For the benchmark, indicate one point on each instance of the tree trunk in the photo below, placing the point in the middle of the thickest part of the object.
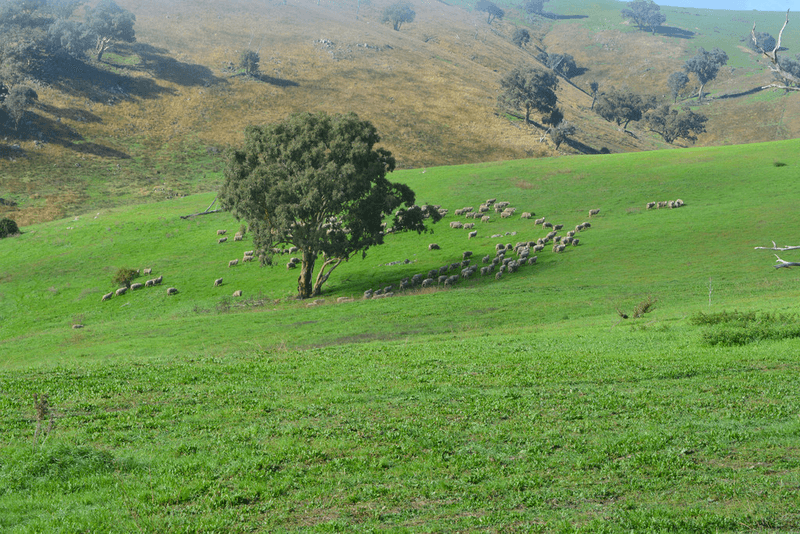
(527, 115)
(305, 286)
(700, 92)
(594, 99)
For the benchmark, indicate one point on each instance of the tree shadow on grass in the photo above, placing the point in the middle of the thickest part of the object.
(556, 16)
(165, 67)
(669, 31)
(278, 82)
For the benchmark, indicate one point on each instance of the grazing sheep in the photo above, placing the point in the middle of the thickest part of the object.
(368, 294)
(571, 233)
(679, 203)
(469, 226)
(579, 228)
(451, 280)
(237, 293)
(248, 252)
(651, 205)
(505, 214)
(107, 296)
(587, 225)
(532, 260)
(662, 204)
(558, 227)
(486, 259)
(464, 263)
(172, 291)
(459, 211)
(292, 250)
(134, 287)
(575, 242)
(434, 246)
(456, 224)
(485, 219)
(526, 215)
(466, 254)
(499, 275)
(121, 291)
(147, 270)
(158, 280)
(483, 208)
(149, 283)
(538, 248)
(442, 279)
(221, 232)
(428, 282)
(559, 248)
(443, 269)
(551, 235)
(594, 212)
(547, 225)
(218, 282)
(491, 201)
(472, 234)
(538, 221)
(221, 240)
(290, 265)
(237, 237)
(247, 258)
(433, 273)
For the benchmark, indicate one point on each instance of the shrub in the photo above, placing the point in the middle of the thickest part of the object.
(8, 227)
(737, 328)
(124, 277)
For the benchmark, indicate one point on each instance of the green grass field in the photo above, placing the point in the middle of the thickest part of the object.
(525, 404)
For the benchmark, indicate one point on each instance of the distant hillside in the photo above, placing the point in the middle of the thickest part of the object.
(151, 120)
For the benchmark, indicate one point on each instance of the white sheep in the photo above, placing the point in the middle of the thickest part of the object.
(233, 262)
(221, 240)
(172, 291)
(121, 291)
(237, 293)
(218, 282)
(107, 296)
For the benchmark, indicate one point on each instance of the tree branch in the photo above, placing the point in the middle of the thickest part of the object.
(773, 57)
(783, 263)
(776, 247)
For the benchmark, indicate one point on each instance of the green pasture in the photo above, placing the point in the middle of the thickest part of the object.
(524, 404)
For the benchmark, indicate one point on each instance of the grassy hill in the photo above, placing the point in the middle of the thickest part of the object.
(151, 120)
(521, 404)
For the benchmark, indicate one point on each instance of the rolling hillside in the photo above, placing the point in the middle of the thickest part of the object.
(152, 120)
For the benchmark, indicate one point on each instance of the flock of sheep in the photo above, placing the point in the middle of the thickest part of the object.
(150, 283)
(665, 204)
(506, 259)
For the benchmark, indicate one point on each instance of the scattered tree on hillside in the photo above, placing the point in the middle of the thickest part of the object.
(676, 82)
(563, 64)
(561, 132)
(594, 87)
(521, 37)
(248, 62)
(645, 13)
(491, 10)
(316, 182)
(671, 124)
(109, 24)
(623, 107)
(705, 65)
(398, 13)
(535, 6)
(71, 37)
(8, 227)
(786, 70)
(760, 41)
(18, 100)
(529, 89)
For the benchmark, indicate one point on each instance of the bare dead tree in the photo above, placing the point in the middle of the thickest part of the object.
(782, 263)
(776, 68)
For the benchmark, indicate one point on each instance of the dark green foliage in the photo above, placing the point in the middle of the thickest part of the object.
(109, 23)
(124, 277)
(764, 42)
(645, 13)
(535, 6)
(564, 64)
(676, 82)
(248, 61)
(315, 181)
(19, 99)
(672, 124)
(70, 36)
(623, 107)
(742, 328)
(8, 227)
(705, 65)
(398, 13)
(521, 37)
(529, 89)
(789, 66)
(491, 9)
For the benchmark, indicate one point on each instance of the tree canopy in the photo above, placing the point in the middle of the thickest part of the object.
(18, 100)
(563, 64)
(109, 23)
(316, 182)
(398, 13)
(645, 13)
(248, 62)
(705, 65)
(672, 124)
(535, 6)
(530, 89)
(676, 82)
(622, 107)
(521, 37)
(491, 9)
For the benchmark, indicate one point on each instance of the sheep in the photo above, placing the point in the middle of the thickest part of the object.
(547, 225)
(587, 225)
(594, 212)
(121, 291)
(502, 205)
(551, 235)
(292, 250)
(451, 280)
(107, 296)
(558, 227)
(459, 211)
(486, 219)
(559, 248)
(679, 203)
(136, 286)
(237, 237)
(456, 224)
(442, 279)
(571, 233)
(483, 208)
(368, 294)
(147, 270)
(427, 282)
(290, 265)
(237, 293)
(579, 228)
(158, 280)
(575, 242)
(247, 258)
(651, 205)
(248, 252)
(434, 246)
(662, 204)
(455, 265)
(433, 273)
(526, 215)
(499, 275)
(218, 282)
(404, 284)
(416, 279)
(469, 226)
(473, 234)
(538, 248)
(491, 201)
(233, 263)
(505, 214)
(221, 240)
(172, 291)
(443, 269)
(221, 232)
(532, 260)
(486, 259)
(538, 221)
